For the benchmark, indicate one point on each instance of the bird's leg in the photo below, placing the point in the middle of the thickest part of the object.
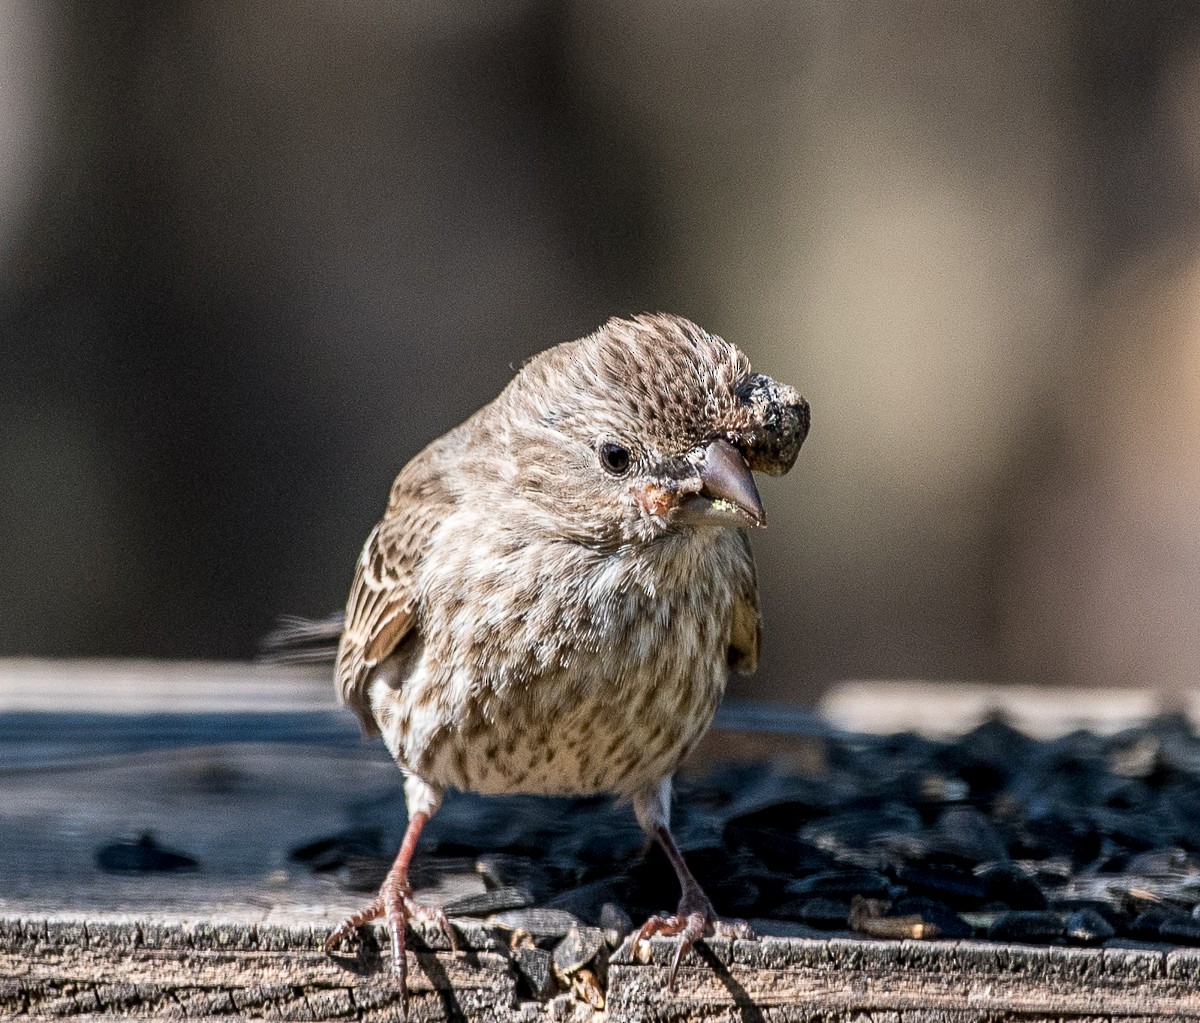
(695, 918)
(395, 903)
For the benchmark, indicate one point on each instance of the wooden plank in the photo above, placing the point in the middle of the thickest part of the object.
(122, 686)
(960, 980)
(144, 970)
(234, 765)
(156, 970)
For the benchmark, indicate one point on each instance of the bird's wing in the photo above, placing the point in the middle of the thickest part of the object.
(745, 631)
(381, 611)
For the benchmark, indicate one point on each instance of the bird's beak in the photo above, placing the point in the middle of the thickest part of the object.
(727, 495)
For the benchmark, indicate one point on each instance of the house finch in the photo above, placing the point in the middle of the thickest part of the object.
(559, 587)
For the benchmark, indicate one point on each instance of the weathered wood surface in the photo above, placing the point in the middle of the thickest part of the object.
(235, 765)
(142, 970)
(145, 970)
(784, 978)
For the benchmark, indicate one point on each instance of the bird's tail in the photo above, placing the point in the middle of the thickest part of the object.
(303, 640)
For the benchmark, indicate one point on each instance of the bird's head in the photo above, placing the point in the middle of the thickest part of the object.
(650, 425)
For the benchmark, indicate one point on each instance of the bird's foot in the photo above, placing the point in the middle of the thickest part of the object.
(695, 919)
(372, 911)
(396, 905)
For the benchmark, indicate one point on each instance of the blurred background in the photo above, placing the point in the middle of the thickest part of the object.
(254, 257)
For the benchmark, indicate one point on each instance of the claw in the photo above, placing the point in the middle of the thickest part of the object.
(693, 931)
(695, 918)
(433, 915)
(399, 909)
(690, 926)
(372, 911)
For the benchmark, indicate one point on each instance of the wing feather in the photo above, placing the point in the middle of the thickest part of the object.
(382, 611)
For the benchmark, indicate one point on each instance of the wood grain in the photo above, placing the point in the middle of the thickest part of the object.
(234, 765)
(950, 980)
(142, 970)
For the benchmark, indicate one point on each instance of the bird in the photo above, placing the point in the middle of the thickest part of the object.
(560, 586)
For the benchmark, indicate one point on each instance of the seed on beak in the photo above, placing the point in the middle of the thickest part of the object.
(727, 496)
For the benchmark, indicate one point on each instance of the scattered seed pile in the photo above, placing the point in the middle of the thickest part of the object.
(1083, 840)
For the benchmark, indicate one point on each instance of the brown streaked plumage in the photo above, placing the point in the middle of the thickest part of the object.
(559, 586)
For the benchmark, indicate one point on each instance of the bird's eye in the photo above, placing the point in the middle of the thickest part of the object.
(614, 458)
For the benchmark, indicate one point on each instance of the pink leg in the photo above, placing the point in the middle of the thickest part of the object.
(695, 917)
(396, 905)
